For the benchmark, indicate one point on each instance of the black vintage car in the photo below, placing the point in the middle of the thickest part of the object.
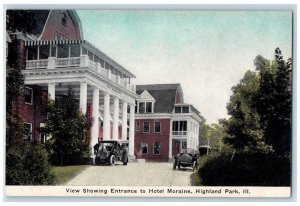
(186, 158)
(110, 151)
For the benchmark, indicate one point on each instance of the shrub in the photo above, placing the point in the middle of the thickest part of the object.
(245, 169)
(27, 164)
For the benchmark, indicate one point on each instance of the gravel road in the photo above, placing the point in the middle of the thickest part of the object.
(134, 174)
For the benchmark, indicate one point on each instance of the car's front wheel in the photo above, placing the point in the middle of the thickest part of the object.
(112, 160)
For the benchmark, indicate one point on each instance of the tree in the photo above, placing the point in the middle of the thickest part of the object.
(260, 108)
(26, 163)
(274, 101)
(213, 135)
(243, 129)
(20, 21)
(15, 22)
(14, 122)
(68, 129)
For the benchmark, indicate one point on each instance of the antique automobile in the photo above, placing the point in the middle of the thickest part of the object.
(110, 151)
(186, 158)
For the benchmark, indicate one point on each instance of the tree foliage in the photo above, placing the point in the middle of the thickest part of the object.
(20, 21)
(27, 164)
(68, 129)
(213, 135)
(260, 108)
(14, 122)
(274, 101)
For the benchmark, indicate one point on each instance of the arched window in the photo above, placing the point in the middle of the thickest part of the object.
(64, 19)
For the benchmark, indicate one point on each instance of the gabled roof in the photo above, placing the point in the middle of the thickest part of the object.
(146, 96)
(164, 95)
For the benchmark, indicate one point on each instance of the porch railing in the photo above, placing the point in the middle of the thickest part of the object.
(82, 61)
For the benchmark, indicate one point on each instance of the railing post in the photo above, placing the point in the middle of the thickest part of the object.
(84, 61)
(109, 73)
(51, 62)
(98, 67)
(118, 79)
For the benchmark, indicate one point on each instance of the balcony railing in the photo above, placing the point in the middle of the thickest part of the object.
(179, 133)
(83, 61)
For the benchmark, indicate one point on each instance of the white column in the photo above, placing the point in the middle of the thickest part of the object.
(95, 126)
(106, 118)
(170, 141)
(116, 119)
(51, 91)
(83, 97)
(124, 120)
(131, 131)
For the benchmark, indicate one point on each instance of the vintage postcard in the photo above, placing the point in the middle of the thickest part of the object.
(149, 103)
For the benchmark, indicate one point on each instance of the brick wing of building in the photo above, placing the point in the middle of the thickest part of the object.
(53, 58)
(164, 124)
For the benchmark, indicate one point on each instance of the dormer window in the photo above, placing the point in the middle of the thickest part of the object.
(145, 104)
(149, 107)
(182, 109)
(64, 19)
(145, 107)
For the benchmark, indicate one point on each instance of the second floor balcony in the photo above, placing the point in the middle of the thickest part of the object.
(76, 54)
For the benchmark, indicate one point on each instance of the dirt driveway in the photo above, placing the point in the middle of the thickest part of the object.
(134, 174)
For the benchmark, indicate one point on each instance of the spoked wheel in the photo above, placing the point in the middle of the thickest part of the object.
(112, 160)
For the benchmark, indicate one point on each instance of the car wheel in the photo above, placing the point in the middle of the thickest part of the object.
(112, 160)
(125, 161)
(174, 165)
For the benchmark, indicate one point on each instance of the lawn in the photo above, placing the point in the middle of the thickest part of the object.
(65, 173)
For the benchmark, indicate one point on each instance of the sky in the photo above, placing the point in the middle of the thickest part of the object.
(207, 52)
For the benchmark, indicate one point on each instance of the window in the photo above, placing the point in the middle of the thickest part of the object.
(137, 126)
(177, 109)
(64, 19)
(148, 107)
(84, 51)
(156, 148)
(185, 109)
(182, 109)
(74, 50)
(106, 66)
(142, 107)
(146, 127)
(28, 95)
(90, 54)
(157, 127)
(27, 131)
(144, 148)
(53, 50)
(179, 127)
(102, 63)
(145, 107)
(62, 51)
(31, 53)
(44, 51)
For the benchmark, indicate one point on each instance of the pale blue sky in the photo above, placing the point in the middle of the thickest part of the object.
(206, 51)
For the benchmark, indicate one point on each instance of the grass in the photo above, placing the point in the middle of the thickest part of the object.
(65, 173)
